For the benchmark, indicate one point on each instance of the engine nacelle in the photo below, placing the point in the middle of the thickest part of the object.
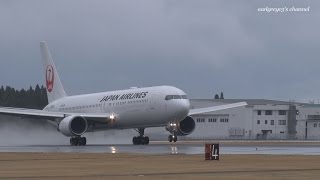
(182, 128)
(73, 126)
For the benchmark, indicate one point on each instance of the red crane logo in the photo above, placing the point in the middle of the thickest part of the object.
(49, 78)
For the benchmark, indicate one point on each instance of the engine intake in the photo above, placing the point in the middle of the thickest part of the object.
(182, 128)
(73, 126)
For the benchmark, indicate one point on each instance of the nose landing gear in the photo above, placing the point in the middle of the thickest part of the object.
(172, 127)
(141, 139)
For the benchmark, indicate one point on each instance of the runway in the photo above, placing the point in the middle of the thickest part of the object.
(167, 148)
(161, 160)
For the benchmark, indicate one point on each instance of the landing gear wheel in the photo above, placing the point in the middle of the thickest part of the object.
(146, 140)
(141, 139)
(78, 141)
(175, 138)
(172, 138)
(75, 141)
(83, 141)
(137, 140)
(72, 141)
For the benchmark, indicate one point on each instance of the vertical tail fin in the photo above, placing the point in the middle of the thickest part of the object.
(54, 86)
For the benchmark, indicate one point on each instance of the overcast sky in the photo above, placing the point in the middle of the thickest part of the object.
(202, 47)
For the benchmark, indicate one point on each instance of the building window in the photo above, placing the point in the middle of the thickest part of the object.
(272, 122)
(224, 120)
(268, 112)
(265, 121)
(258, 122)
(282, 122)
(259, 112)
(282, 112)
(200, 120)
(315, 125)
(212, 120)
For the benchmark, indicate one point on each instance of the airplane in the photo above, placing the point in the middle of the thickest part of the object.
(134, 108)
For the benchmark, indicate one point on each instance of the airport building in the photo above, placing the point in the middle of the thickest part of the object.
(260, 119)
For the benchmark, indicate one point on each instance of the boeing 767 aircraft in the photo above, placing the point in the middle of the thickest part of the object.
(134, 108)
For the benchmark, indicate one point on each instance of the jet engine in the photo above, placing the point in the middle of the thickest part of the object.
(182, 128)
(73, 126)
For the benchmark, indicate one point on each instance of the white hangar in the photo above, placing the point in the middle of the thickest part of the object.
(260, 119)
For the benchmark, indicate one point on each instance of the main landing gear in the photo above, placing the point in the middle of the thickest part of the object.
(78, 141)
(173, 138)
(141, 139)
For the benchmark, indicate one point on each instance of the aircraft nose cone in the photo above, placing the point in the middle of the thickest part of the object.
(184, 108)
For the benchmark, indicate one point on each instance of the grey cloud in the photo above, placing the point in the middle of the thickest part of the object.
(202, 47)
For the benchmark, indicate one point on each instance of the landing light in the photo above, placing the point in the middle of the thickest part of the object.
(173, 124)
(112, 117)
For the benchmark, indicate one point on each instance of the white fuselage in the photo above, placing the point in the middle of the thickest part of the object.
(132, 108)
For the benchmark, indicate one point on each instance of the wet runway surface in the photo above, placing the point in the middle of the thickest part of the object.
(165, 149)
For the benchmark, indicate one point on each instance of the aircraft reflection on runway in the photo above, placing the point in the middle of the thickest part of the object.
(174, 150)
(162, 149)
(151, 149)
(113, 150)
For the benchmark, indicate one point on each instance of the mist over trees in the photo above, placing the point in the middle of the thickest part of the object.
(34, 98)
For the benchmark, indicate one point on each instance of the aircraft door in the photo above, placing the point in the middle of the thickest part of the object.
(153, 102)
(157, 104)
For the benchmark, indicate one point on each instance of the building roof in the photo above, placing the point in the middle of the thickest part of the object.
(311, 105)
(249, 101)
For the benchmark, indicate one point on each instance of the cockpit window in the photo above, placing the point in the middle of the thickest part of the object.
(169, 97)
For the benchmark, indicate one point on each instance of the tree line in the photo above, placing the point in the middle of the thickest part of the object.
(34, 98)
(217, 96)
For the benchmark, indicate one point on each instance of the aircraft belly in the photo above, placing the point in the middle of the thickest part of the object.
(138, 120)
(135, 117)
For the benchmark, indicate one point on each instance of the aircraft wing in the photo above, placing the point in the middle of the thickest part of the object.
(47, 115)
(216, 108)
